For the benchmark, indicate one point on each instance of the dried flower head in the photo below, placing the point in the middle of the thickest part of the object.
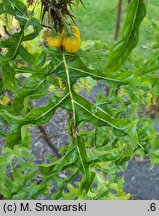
(59, 11)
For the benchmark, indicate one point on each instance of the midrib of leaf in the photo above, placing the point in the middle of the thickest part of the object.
(25, 71)
(18, 70)
(20, 39)
(103, 111)
(25, 17)
(47, 76)
(18, 9)
(149, 62)
(101, 181)
(129, 35)
(22, 33)
(55, 68)
(39, 84)
(51, 108)
(97, 76)
(69, 87)
(73, 109)
(148, 153)
(99, 118)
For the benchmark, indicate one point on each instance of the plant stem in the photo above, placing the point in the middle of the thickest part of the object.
(118, 19)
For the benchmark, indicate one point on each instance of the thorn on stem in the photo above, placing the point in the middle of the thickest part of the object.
(73, 131)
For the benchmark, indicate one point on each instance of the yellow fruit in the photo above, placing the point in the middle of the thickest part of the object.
(76, 31)
(54, 41)
(72, 44)
(73, 30)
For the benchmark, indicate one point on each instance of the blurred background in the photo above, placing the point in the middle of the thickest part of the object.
(97, 21)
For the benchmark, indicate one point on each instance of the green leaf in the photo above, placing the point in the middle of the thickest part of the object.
(1, 87)
(130, 34)
(15, 8)
(151, 65)
(83, 157)
(29, 70)
(8, 76)
(42, 115)
(37, 29)
(2, 133)
(63, 163)
(13, 139)
(78, 69)
(13, 43)
(40, 61)
(99, 155)
(87, 181)
(96, 115)
(33, 87)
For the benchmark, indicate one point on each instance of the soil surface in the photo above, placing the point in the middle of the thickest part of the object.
(141, 182)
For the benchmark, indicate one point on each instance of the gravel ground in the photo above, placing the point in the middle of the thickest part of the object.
(142, 182)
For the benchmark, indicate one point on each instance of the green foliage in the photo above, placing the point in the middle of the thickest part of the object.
(121, 50)
(117, 127)
(19, 175)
